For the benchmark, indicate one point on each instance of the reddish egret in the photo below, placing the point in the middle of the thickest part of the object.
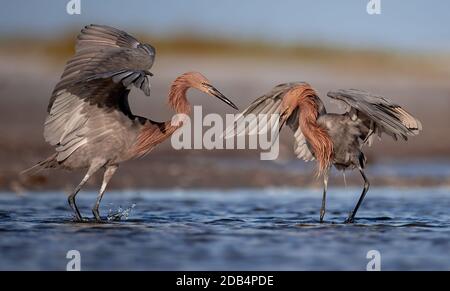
(330, 138)
(89, 120)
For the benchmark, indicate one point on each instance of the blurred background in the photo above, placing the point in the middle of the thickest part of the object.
(245, 48)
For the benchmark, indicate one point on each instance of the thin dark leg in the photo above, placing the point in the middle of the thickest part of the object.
(106, 178)
(71, 198)
(324, 197)
(351, 217)
(74, 207)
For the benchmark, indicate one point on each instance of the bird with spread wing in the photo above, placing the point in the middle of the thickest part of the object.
(89, 121)
(330, 138)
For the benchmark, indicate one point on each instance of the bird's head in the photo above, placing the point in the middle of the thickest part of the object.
(198, 81)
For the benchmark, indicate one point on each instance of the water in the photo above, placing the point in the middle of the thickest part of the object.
(229, 230)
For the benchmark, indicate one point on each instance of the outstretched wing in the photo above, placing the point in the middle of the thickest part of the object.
(106, 63)
(270, 103)
(105, 59)
(378, 114)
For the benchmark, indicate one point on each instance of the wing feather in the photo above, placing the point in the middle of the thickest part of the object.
(269, 104)
(106, 62)
(105, 56)
(378, 113)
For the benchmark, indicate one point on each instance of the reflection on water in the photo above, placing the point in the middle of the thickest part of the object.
(257, 229)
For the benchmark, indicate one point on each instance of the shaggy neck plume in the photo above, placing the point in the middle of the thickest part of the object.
(315, 135)
(153, 134)
(177, 95)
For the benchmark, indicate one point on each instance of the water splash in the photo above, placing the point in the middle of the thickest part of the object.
(120, 213)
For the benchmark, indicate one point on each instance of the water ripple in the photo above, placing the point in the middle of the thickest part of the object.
(239, 230)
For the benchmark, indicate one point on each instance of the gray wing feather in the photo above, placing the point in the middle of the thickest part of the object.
(247, 121)
(301, 146)
(145, 86)
(65, 119)
(106, 62)
(378, 113)
(270, 103)
(105, 57)
(101, 35)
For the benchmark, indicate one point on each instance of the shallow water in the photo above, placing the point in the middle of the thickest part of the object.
(229, 230)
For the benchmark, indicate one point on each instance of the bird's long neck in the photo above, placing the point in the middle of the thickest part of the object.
(151, 134)
(315, 135)
(177, 95)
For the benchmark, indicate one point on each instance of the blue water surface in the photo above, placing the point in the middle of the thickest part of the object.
(242, 229)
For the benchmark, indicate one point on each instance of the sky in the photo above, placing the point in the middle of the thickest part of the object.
(413, 25)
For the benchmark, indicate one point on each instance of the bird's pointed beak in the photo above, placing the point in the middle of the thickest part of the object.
(216, 93)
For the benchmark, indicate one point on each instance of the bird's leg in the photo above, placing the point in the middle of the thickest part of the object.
(324, 197)
(351, 217)
(71, 199)
(92, 169)
(109, 172)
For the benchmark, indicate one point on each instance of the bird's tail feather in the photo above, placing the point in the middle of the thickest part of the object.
(50, 162)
